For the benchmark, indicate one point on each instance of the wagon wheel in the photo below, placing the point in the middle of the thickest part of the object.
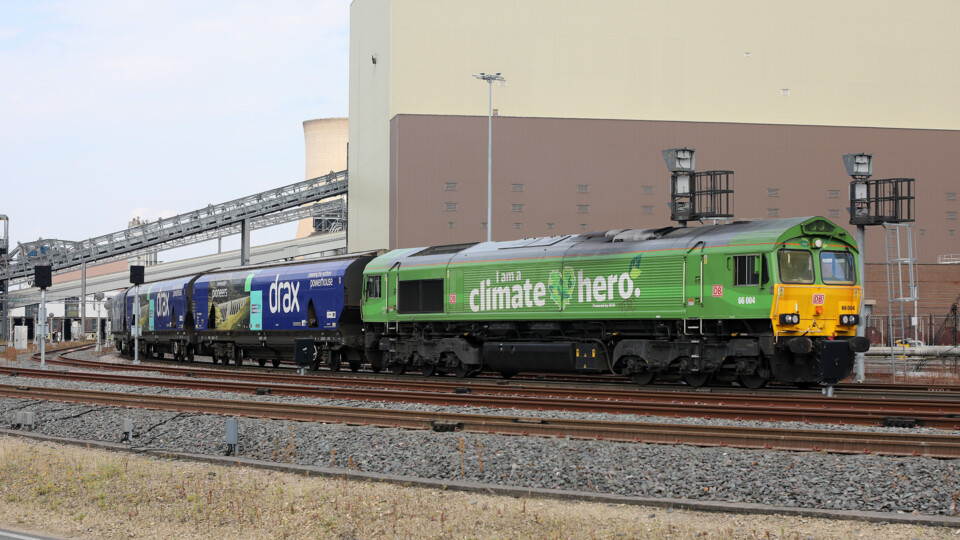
(238, 356)
(335, 361)
(696, 380)
(261, 362)
(428, 369)
(507, 374)
(752, 381)
(398, 369)
(376, 367)
(190, 353)
(276, 362)
(355, 365)
(642, 378)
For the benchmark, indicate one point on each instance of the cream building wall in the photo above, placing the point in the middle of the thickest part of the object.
(325, 142)
(883, 64)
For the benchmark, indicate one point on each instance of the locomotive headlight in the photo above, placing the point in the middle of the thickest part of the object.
(849, 320)
(790, 318)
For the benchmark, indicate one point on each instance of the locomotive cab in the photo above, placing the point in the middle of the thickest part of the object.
(817, 299)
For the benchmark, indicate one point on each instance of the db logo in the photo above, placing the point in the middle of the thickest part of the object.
(718, 291)
(818, 299)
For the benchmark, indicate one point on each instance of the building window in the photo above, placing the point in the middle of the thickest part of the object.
(583, 226)
(773, 192)
(833, 193)
(549, 225)
(951, 232)
(583, 208)
(951, 215)
(773, 212)
(951, 196)
(648, 190)
(451, 224)
(516, 187)
(646, 209)
(923, 232)
(451, 186)
(583, 188)
(517, 225)
(517, 207)
(483, 225)
(834, 213)
(450, 206)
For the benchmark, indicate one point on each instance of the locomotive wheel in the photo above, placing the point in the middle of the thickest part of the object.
(276, 362)
(803, 385)
(355, 365)
(261, 362)
(428, 369)
(238, 357)
(398, 369)
(460, 370)
(335, 361)
(190, 355)
(696, 380)
(752, 381)
(643, 378)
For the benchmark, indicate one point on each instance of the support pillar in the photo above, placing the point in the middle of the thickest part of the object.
(83, 301)
(245, 242)
(862, 327)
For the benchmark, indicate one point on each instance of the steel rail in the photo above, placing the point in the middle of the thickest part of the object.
(884, 407)
(517, 400)
(926, 445)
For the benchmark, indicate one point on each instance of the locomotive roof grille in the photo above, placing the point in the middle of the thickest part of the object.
(448, 249)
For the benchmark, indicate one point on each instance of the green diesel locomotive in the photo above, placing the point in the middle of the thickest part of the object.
(749, 301)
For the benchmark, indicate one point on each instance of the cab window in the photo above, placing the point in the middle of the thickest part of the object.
(837, 267)
(795, 266)
(373, 286)
(745, 270)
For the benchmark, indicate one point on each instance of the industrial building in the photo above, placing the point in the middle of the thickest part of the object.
(594, 91)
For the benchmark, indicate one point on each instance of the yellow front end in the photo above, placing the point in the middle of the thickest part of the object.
(820, 310)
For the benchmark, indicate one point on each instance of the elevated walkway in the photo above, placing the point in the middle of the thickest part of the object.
(310, 247)
(263, 209)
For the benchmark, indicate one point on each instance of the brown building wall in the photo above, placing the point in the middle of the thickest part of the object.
(627, 183)
(938, 286)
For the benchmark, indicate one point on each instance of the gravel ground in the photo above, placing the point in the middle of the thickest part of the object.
(849, 482)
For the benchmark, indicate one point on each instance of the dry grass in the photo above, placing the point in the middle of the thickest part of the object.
(90, 493)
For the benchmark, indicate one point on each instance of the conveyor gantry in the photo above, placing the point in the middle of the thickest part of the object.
(263, 209)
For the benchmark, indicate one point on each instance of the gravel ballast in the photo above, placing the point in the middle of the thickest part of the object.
(793, 480)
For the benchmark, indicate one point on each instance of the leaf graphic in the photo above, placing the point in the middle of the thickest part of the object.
(561, 286)
(635, 267)
(569, 284)
(555, 287)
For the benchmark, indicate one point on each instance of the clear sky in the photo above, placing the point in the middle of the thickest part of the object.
(111, 109)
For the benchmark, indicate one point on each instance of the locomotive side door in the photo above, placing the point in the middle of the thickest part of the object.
(391, 287)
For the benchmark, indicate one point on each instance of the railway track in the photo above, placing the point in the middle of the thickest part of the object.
(926, 445)
(809, 409)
